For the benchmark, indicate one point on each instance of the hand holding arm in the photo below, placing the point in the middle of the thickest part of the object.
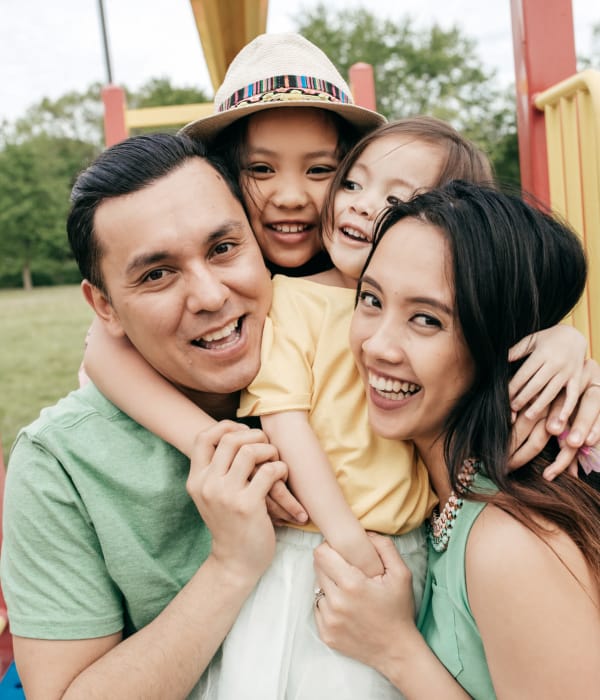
(372, 620)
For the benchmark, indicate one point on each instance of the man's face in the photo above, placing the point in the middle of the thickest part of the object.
(186, 280)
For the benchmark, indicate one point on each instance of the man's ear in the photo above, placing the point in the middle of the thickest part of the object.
(105, 311)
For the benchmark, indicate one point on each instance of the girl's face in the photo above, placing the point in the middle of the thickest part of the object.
(291, 160)
(406, 338)
(390, 169)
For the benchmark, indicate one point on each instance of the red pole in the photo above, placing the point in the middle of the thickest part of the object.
(544, 53)
(362, 84)
(115, 129)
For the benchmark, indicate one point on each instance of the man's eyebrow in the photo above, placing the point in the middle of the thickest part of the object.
(428, 301)
(227, 228)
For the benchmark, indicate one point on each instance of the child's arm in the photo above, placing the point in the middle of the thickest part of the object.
(313, 482)
(555, 362)
(124, 377)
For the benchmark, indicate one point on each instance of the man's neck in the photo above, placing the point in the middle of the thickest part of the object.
(218, 406)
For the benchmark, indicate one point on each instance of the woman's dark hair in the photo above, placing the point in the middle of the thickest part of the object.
(463, 159)
(126, 167)
(516, 270)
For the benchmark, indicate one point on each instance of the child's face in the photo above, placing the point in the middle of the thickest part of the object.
(291, 160)
(390, 169)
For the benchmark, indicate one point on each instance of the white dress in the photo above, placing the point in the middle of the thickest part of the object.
(273, 651)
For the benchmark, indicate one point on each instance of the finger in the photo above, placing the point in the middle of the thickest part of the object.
(287, 504)
(586, 423)
(267, 475)
(334, 567)
(385, 547)
(206, 441)
(230, 444)
(555, 425)
(522, 377)
(564, 459)
(531, 447)
(249, 455)
(545, 397)
(523, 348)
(572, 392)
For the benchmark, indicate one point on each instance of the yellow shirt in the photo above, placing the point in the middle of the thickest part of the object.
(307, 365)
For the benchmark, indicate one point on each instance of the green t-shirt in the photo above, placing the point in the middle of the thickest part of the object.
(99, 531)
(445, 618)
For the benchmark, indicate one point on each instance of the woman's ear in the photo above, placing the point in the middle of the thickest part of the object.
(103, 308)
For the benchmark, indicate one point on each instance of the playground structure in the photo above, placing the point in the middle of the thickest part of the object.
(558, 116)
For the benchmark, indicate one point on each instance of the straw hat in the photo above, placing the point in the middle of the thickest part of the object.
(281, 70)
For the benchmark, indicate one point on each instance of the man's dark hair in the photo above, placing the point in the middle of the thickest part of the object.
(126, 167)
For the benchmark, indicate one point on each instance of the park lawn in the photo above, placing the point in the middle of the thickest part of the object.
(41, 344)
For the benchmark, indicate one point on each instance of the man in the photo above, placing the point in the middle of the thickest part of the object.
(113, 587)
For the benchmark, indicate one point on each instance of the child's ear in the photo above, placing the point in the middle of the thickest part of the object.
(98, 300)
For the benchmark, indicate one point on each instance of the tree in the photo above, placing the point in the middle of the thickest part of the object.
(420, 71)
(35, 180)
(40, 156)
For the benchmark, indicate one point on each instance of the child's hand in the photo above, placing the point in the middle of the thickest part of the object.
(584, 431)
(556, 360)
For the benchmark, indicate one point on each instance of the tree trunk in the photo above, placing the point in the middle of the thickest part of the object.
(26, 277)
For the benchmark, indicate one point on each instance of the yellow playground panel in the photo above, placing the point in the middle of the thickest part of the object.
(572, 117)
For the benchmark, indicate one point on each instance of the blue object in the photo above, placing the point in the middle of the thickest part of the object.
(10, 685)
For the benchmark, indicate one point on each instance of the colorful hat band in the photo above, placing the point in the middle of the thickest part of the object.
(280, 88)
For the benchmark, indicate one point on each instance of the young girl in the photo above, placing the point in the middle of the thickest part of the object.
(455, 277)
(385, 487)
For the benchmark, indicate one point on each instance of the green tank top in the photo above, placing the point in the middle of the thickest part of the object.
(445, 618)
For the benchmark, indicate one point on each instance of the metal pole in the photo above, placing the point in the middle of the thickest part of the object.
(105, 41)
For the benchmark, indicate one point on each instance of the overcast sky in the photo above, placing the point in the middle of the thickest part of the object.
(48, 47)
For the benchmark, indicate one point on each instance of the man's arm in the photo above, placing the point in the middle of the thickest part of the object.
(166, 658)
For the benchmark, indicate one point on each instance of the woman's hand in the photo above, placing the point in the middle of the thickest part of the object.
(359, 616)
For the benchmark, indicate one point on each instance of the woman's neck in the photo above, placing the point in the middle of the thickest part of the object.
(433, 458)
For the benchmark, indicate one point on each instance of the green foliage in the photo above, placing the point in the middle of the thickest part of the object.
(158, 92)
(42, 335)
(40, 156)
(431, 71)
(36, 175)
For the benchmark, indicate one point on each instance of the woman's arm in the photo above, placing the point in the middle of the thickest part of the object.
(124, 377)
(537, 609)
(372, 620)
(313, 482)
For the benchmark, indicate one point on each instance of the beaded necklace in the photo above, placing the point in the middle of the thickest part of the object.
(442, 521)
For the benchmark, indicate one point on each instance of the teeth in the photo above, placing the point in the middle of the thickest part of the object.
(392, 388)
(354, 233)
(221, 333)
(290, 228)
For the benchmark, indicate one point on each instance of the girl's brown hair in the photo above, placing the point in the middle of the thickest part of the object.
(463, 161)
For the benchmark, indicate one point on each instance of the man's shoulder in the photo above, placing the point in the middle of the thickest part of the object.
(79, 422)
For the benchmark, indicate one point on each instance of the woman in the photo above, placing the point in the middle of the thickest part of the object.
(455, 277)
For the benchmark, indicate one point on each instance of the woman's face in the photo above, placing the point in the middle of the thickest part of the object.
(406, 338)
(291, 158)
(389, 170)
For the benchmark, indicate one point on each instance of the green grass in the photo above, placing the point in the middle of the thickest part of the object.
(41, 345)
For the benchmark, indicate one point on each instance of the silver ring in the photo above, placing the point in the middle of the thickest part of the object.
(319, 593)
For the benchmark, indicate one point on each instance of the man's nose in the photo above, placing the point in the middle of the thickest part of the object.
(206, 291)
